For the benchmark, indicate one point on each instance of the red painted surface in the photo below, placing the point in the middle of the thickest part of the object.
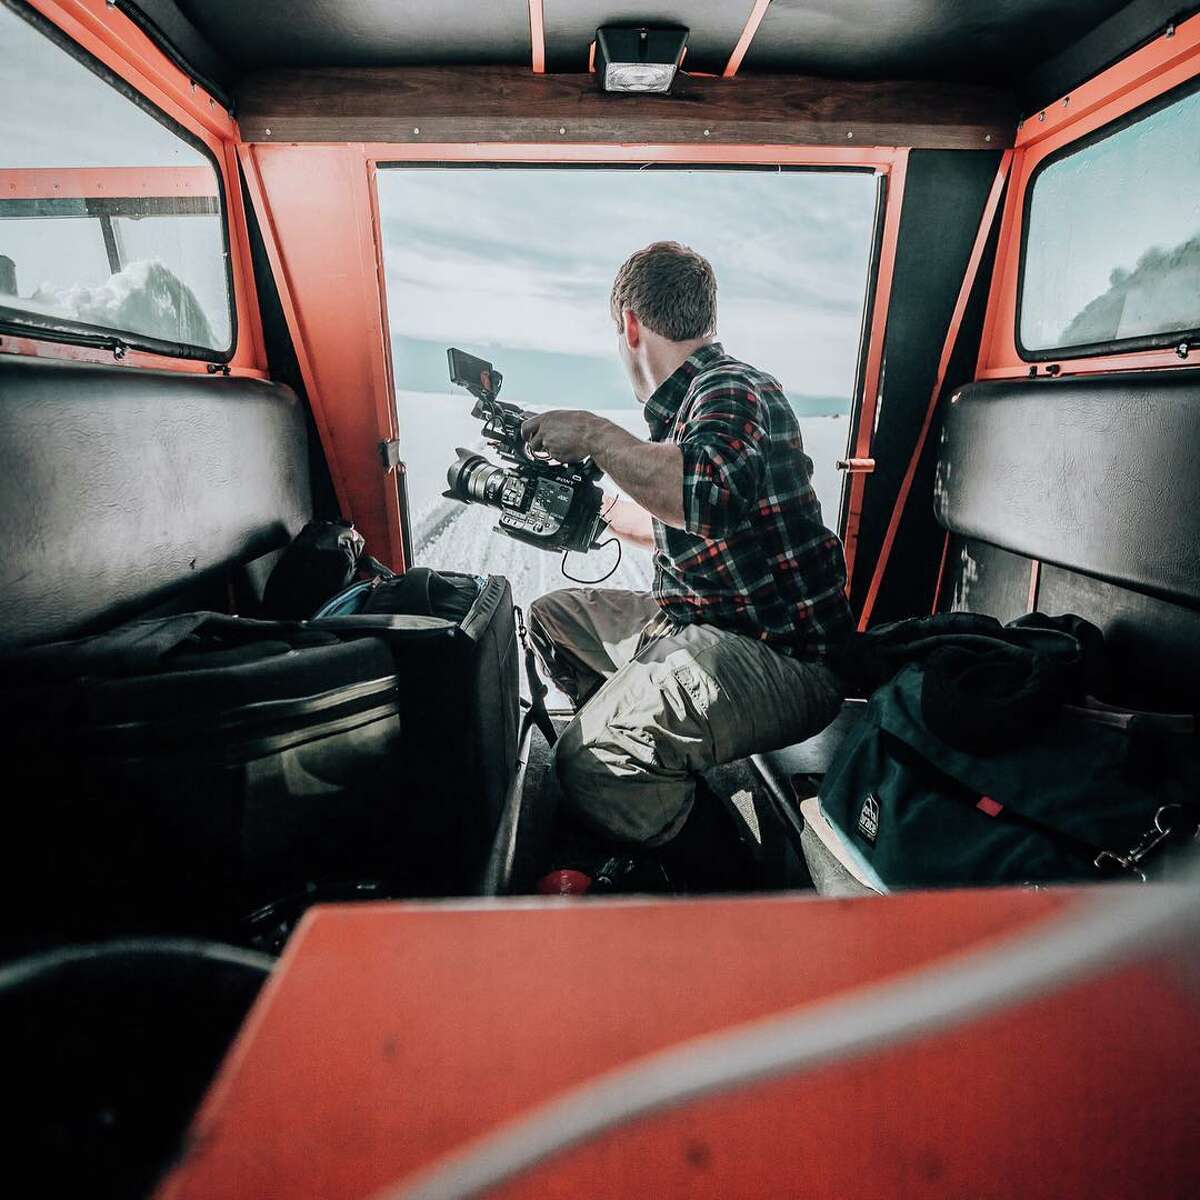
(68, 183)
(862, 436)
(747, 36)
(115, 41)
(956, 317)
(315, 208)
(537, 36)
(1161, 65)
(391, 1034)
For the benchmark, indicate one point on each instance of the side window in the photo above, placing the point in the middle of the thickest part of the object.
(1112, 243)
(111, 222)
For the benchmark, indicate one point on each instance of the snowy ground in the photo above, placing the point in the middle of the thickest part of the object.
(459, 537)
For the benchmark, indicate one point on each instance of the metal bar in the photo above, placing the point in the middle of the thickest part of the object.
(1035, 582)
(872, 372)
(960, 307)
(537, 36)
(496, 877)
(743, 43)
(937, 587)
(111, 250)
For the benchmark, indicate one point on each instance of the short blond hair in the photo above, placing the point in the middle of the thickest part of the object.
(670, 288)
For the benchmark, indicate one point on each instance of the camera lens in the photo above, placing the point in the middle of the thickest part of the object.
(475, 480)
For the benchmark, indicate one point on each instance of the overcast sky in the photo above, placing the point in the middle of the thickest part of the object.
(518, 264)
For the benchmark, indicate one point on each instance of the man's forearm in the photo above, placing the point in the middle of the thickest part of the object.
(650, 472)
(630, 522)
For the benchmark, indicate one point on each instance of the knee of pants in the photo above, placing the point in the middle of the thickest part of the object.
(618, 792)
(546, 604)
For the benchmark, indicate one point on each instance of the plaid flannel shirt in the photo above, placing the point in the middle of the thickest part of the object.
(754, 556)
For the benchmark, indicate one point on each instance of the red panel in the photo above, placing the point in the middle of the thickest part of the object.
(1158, 67)
(315, 206)
(392, 1034)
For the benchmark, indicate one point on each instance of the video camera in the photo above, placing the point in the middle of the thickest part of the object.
(552, 505)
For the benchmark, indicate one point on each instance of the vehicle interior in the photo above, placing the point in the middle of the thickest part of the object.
(236, 243)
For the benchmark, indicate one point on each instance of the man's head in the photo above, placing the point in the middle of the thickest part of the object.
(664, 303)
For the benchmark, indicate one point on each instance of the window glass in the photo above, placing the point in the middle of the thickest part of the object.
(515, 265)
(1112, 250)
(110, 221)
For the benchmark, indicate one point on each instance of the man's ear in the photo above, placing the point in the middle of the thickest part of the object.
(631, 328)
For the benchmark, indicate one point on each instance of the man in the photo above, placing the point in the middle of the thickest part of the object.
(725, 657)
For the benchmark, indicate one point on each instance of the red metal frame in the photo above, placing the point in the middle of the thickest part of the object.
(63, 183)
(1163, 64)
(318, 211)
(537, 36)
(109, 36)
(747, 36)
(862, 435)
(960, 307)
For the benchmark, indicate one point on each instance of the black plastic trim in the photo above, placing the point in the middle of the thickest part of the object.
(155, 33)
(1157, 341)
(77, 332)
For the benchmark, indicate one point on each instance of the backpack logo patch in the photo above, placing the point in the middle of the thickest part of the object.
(868, 819)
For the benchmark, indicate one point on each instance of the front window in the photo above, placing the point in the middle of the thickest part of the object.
(515, 265)
(110, 220)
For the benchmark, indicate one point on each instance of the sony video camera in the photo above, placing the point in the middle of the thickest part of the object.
(552, 505)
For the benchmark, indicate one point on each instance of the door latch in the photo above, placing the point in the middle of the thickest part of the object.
(856, 466)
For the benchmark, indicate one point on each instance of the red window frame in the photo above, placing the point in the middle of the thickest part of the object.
(116, 42)
(1172, 59)
(317, 206)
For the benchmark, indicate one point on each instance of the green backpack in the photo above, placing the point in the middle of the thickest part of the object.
(1086, 794)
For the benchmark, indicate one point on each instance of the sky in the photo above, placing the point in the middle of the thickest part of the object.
(516, 265)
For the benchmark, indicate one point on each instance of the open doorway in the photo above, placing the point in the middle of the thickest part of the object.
(514, 263)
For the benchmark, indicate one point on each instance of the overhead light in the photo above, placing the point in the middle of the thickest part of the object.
(638, 58)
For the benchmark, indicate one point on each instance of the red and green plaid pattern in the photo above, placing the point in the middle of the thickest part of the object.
(755, 556)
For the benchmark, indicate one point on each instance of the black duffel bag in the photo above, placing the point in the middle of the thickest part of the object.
(926, 794)
(176, 773)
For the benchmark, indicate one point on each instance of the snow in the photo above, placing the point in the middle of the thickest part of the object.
(460, 537)
(145, 297)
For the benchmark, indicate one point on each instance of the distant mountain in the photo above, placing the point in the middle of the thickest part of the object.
(544, 378)
(1161, 293)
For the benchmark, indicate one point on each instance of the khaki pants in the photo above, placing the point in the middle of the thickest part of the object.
(660, 702)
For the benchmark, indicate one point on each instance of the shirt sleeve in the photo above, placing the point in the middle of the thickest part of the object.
(722, 442)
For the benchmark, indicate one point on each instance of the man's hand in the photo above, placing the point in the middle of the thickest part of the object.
(563, 433)
(651, 472)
